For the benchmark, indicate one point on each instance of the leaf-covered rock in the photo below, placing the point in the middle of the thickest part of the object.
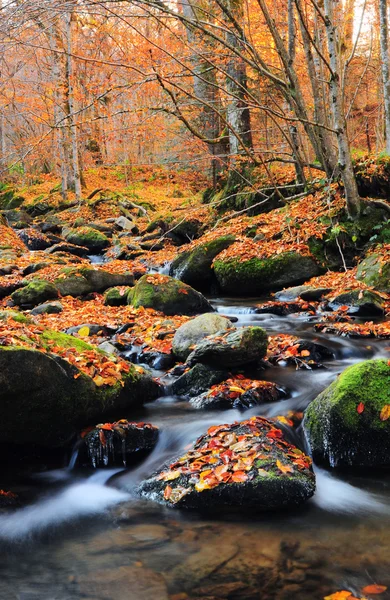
(244, 465)
(362, 303)
(81, 281)
(237, 392)
(192, 332)
(168, 295)
(375, 272)
(348, 424)
(34, 293)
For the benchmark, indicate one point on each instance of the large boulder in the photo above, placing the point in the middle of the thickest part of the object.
(194, 266)
(362, 303)
(89, 237)
(168, 295)
(45, 399)
(34, 293)
(231, 349)
(117, 443)
(81, 281)
(348, 424)
(191, 333)
(375, 272)
(243, 465)
(239, 276)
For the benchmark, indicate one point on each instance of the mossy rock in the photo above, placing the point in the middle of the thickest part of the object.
(235, 348)
(343, 425)
(191, 333)
(81, 281)
(194, 266)
(279, 475)
(374, 271)
(362, 303)
(168, 295)
(45, 400)
(116, 296)
(36, 292)
(19, 317)
(254, 276)
(9, 198)
(89, 237)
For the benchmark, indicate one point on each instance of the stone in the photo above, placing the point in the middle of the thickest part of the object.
(34, 293)
(278, 475)
(197, 380)
(374, 271)
(255, 275)
(89, 237)
(82, 281)
(168, 295)
(48, 308)
(69, 249)
(126, 225)
(116, 296)
(362, 303)
(34, 240)
(345, 425)
(222, 398)
(191, 333)
(242, 346)
(305, 292)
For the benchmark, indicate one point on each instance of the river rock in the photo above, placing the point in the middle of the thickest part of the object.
(91, 238)
(168, 295)
(34, 293)
(197, 380)
(48, 308)
(305, 292)
(374, 271)
(82, 281)
(241, 393)
(245, 465)
(232, 348)
(113, 444)
(362, 303)
(124, 224)
(45, 399)
(238, 276)
(116, 296)
(191, 333)
(194, 266)
(68, 248)
(34, 240)
(348, 424)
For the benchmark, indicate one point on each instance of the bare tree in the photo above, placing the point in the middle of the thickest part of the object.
(384, 43)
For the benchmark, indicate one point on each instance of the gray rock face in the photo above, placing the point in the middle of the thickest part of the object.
(348, 424)
(278, 475)
(360, 303)
(197, 380)
(375, 272)
(240, 347)
(43, 403)
(126, 225)
(191, 333)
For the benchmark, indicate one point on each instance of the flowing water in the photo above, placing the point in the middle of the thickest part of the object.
(85, 535)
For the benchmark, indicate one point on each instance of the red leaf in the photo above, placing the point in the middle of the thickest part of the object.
(360, 408)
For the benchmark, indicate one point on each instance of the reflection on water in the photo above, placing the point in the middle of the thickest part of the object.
(87, 536)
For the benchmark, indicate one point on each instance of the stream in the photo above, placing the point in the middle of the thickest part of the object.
(85, 535)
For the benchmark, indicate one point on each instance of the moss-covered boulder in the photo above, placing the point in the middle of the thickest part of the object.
(348, 424)
(116, 296)
(244, 465)
(45, 399)
(191, 333)
(194, 266)
(242, 346)
(168, 295)
(89, 237)
(237, 276)
(362, 303)
(34, 293)
(81, 281)
(375, 272)
(115, 444)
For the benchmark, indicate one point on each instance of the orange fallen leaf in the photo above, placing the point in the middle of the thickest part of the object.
(385, 413)
(374, 588)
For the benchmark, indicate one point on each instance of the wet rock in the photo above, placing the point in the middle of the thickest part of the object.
(34, 293)
(116, 296)
(161, 361)
(375, 272)
(93, 329)
(48, 308)
(317, 352)
(108, 347)
(197, 380)
(231, 349)
(89, 237)
(34, 240)
(283, 309)
(348, 424)
(244, 465)
(123, 582)
(359, 302)
(237, 393)
(194, 266)
(254, 276)
(81, 281)
(168, 295)
(191, 333)
(305, 292)
(116, 443)
(8, 499)
(45, 400)
(69, 249)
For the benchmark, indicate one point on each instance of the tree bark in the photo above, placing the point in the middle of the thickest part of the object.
(69, 20)
(384, 42)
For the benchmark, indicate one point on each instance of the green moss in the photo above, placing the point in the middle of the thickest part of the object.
(374, 272)
(89, 237)
(34, 293)
(64, 341)
(15, 315)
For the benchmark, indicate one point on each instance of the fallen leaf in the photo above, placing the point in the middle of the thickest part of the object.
(385, 413)
(374, 588)
(360, 408)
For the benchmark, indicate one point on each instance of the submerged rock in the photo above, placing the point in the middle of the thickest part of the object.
(232, 348)
(244, 465)
(238, 276)
(115, 443)
(348, 424)
(191, 333)
(168, 295)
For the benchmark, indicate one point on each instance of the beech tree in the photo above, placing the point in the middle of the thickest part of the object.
(384, 43)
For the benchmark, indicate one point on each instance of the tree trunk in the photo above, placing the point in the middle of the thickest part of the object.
(384, 41)
(69, 20)
(345, 161)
